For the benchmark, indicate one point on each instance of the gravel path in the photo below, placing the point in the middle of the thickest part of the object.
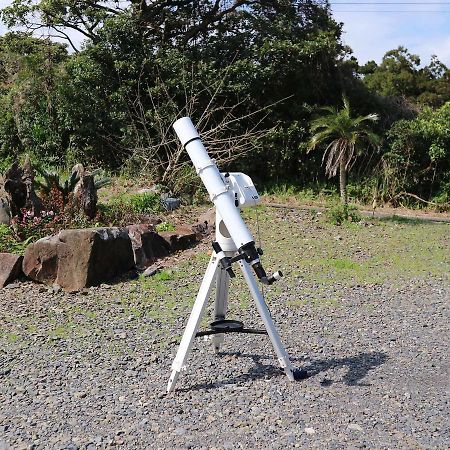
(89, 370)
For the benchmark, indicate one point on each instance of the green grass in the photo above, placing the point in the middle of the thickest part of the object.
(355, 254)
(320, 261)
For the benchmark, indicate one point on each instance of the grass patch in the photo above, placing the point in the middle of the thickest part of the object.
(164, 226)
(344, 264)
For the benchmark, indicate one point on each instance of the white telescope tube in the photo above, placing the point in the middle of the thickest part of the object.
(218, 191)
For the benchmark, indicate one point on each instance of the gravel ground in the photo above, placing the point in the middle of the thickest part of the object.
(89, 370)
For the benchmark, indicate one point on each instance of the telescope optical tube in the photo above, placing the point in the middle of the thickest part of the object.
(221, 195)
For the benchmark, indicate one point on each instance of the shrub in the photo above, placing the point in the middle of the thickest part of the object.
(165, 226)
(339, 214)
(9, 242)
(128, 209)
(146, 203)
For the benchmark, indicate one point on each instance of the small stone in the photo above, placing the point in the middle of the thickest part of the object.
(80, 394)
(310, 431)
(354, 427)
(152, 270)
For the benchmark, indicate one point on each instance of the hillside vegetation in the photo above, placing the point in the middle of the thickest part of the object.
(252, 74)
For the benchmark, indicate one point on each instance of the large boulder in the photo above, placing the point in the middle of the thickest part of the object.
(180, 239)
(10, 268)
(74, 259)
(148, 246)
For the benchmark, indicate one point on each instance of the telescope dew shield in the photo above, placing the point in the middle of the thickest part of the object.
(218, 191)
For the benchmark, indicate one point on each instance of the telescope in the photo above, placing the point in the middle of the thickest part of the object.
(233, 243)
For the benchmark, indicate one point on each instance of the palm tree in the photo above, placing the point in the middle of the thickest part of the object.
(344, 136)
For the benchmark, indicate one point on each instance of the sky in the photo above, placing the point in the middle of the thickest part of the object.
(371, 28)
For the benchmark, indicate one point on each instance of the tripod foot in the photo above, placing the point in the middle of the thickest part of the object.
(172, 381)
(300, 374)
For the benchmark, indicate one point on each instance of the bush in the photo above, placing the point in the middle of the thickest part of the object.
(146, 203)
(9, 242)
(128, 209)
(165, 226)
(339, 214)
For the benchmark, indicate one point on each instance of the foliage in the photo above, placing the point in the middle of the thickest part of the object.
(145, 203)
(341, 213)
(127, 209)
(52, 181)
(164, 226)
(400, 75)
(54, 217)
(417, 158)
(9, 242)
(251, 73)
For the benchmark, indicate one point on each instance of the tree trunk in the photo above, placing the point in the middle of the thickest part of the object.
(343, 182)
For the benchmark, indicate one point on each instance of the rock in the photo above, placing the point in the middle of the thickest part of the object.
(5, 212)
(147, 245)
(152, 270)
(180, 239)
(310, 431)
(74, 259)
(85, 196)
(170, 203)
(19, 187)
(354, 427)
(206, 223)
(10, 268)
(78, 171)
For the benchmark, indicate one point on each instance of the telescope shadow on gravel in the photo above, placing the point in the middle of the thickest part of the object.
(358, 367)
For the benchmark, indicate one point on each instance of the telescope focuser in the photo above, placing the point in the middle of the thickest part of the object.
(251, 255)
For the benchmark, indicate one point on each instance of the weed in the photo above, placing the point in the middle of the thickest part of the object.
(146, 203)
(164, 226)
(339, 214)
(9, 243)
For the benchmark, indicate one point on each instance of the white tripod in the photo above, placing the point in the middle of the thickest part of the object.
(216, 272)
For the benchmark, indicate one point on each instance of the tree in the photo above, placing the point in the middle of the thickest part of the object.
(417, 160)
(400, 75)
(29, 76)
(344, 136)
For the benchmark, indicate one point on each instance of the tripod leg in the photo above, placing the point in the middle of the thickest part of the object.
(282, 355)
(193, 322)
(221, 303)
